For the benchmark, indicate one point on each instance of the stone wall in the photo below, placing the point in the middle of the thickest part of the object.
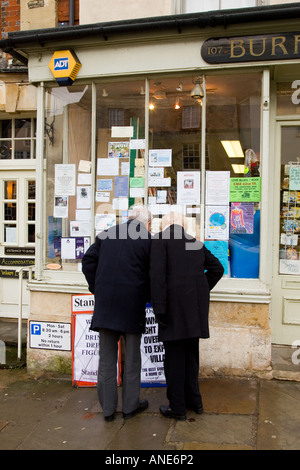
(240, 342)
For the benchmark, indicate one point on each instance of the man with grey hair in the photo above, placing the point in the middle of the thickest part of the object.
(116, 268)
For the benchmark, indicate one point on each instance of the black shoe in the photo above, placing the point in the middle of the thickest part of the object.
(198, 409)
(142, 406)
(109, 418)
(168, 413)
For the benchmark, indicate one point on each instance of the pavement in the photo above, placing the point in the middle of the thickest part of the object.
(48, 413)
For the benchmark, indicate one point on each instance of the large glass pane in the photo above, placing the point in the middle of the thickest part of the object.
(174, 146)
(290, 202)
(233, 150)
(68, 153)
(120, 172)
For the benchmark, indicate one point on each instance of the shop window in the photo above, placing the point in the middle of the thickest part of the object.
(160, 165)
(68, 154)
(233, 149)
(17, 139)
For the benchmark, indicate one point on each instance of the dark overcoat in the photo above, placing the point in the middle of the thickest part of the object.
(116, 268)
(182, 272)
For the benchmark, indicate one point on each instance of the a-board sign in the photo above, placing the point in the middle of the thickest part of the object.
(85, 347)
(85, 343)
(152, 352)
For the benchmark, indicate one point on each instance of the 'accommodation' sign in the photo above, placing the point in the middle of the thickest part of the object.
(251, 48)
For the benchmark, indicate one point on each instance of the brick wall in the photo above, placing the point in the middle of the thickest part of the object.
(10, 17)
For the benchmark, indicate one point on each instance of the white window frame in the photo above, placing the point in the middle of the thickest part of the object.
(195, 6)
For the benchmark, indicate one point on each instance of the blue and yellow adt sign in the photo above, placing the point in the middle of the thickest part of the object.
(64, 66)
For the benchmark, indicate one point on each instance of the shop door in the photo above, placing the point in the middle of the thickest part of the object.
(17, 214)
(286, 262)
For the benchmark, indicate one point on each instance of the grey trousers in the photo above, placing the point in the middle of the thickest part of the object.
(107, 372)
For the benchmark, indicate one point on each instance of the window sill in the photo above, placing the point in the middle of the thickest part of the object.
(227, 290)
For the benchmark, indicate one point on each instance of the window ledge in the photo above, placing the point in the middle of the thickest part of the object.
(227, 290)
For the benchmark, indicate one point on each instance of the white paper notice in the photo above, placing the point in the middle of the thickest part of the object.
(137, 144)
(60, 206)
(83, 215)
(68, 248)
(137, 192)
(160, 157)
(217, 188)
(108, 166)
(84, 178)
(84, 166)
(120, 203)
(65, 179)
(83, 197)
(102, 196)
(188, 187)
(122, 131)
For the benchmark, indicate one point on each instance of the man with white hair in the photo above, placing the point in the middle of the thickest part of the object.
(116, 268)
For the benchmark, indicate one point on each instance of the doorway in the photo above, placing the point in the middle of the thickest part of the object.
(286, 245)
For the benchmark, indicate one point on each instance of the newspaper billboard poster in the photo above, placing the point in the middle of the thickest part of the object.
(152, 352)
(85, 343)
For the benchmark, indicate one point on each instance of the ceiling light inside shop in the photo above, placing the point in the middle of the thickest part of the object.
(238, 168)
(197, 92)
(151, 106)
(233, 148)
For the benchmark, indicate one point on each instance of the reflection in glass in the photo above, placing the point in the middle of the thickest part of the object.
(10, 190)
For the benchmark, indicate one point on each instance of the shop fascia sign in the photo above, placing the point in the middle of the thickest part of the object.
(251, 48)
(64, 66)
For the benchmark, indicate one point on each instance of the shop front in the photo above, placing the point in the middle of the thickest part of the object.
(179, 122)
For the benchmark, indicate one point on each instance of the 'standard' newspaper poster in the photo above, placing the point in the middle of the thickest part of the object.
(85, 343)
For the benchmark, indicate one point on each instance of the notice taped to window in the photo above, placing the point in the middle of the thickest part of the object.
(152, 351)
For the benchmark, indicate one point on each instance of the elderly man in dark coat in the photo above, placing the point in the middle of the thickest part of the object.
(182, 273)
(116, 268)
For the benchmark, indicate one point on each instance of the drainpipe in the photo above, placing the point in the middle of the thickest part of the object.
(71, 12)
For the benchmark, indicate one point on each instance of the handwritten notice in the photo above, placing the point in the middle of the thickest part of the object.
(294, 178)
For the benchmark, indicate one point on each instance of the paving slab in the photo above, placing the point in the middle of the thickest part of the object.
(279, 416)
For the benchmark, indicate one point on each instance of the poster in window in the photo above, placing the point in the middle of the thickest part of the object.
(242, 217)
(217, 223)
(188, 187)
(245, 189)
(217, 188)
(65, 179)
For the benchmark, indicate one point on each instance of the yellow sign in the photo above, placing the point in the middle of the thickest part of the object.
(64, 66)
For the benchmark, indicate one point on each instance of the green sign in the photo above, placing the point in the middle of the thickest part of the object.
(137, 182)
(245, 189)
